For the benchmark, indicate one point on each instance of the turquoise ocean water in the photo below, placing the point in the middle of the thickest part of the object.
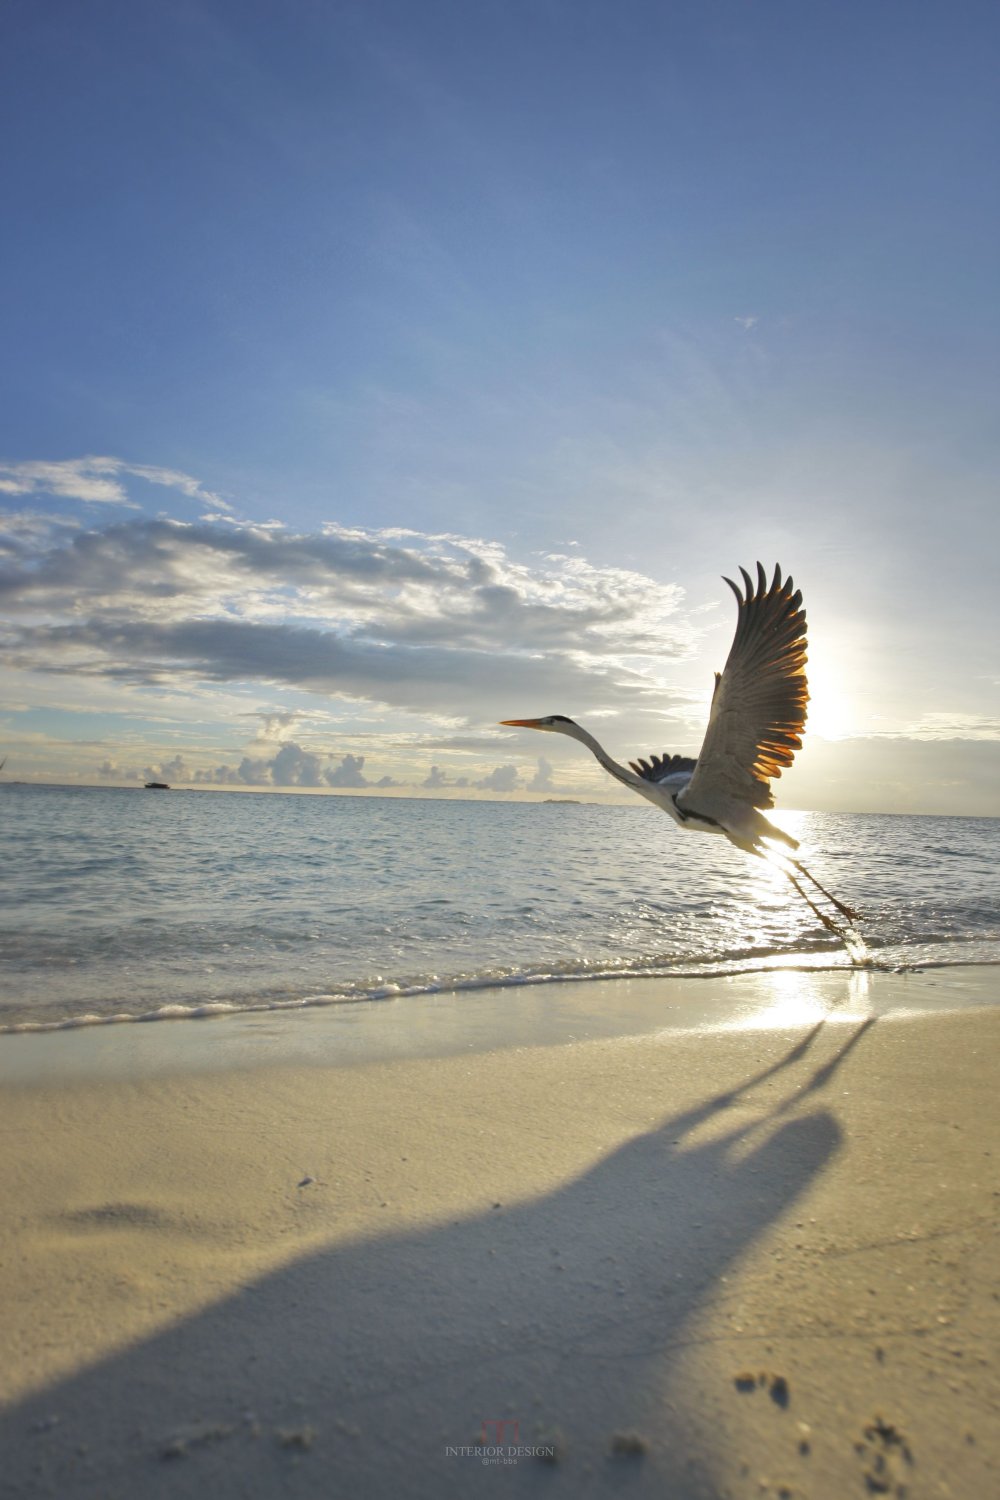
(120, 904)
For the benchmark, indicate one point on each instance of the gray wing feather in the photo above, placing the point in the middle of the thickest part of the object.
(659, 767)
(759, 704)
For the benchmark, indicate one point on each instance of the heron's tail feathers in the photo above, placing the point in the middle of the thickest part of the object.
(750, 830)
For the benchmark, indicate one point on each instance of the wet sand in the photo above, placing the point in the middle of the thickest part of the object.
(756, 1258)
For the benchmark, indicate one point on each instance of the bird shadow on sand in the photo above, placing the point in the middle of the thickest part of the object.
(353, 1370)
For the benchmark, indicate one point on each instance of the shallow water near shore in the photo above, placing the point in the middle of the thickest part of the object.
(121, 905)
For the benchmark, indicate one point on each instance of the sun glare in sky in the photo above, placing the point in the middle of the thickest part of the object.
(834, 713)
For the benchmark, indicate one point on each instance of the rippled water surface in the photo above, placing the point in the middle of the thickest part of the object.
(136, 903)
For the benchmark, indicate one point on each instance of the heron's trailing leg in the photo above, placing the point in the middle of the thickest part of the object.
(828, 922)
(786, 865)
(857, 948)
(852, 916)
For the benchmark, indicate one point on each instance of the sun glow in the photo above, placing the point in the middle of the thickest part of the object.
(833, 712)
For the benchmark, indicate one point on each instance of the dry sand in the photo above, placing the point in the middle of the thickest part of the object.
(751, 1261)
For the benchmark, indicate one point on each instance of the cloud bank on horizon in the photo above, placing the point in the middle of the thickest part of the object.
(434, 630)
(367, 659)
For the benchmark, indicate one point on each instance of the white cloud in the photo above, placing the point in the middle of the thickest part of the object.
(96, 481)
(542, 779)
(174, 769)
(293, 766)
(276, 725)
(290, 766)
(953, 726)
(110, 770)
(349, 773)
(500, 779)
(76, 479)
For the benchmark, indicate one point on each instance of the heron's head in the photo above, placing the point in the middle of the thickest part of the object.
(554, 723)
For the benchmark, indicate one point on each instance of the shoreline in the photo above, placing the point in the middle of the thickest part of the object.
(754, 1257)
(440, 1023)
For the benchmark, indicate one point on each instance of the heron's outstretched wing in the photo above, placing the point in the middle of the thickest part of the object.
(660, 768)
(759, 705)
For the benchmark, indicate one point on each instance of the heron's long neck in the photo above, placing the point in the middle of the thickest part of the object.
(620, 773)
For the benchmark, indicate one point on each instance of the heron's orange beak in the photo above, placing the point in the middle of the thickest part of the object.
(520, 723)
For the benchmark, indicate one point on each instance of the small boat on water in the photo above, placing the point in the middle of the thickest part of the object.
(156, 786)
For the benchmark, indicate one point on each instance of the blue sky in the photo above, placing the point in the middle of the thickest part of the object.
(613, 296)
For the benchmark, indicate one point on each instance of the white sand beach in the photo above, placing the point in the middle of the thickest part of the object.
(752, 1259)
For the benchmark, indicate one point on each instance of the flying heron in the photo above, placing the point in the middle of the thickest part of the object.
(754, 729)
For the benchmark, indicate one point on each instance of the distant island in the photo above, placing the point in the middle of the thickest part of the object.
(565, 801)
(157, 786)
